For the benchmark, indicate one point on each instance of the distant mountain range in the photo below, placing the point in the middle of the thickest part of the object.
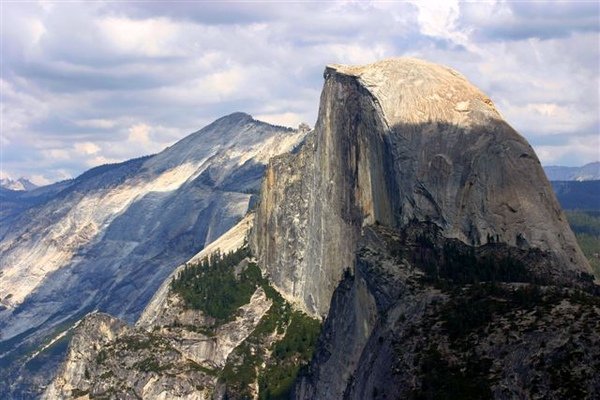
(588, 172)
(21, 184)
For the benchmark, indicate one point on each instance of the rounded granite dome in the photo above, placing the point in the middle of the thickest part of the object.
(410, 90)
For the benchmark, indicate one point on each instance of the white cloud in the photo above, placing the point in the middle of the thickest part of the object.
(57, 154)
(139, 134)
(40, 180)
(548, 118)
(100, 160)
(439, 18)
(20, 107)
(154, 37)
(87, 148)
(283, 119)
(223, 83)
(577, 151)
(98, 123)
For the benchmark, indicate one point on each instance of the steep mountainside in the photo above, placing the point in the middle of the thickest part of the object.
(588, 172)
(399, 140)
(108, 239)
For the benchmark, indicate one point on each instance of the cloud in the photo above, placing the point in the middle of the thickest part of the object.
(576, 151)
(87, 148)
(522, 20)
(438, 19)
(96, 123)
(155, 37)
(139, 134)
(283, 119)
(81, 79)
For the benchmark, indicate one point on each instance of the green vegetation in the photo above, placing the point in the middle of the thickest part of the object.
(211, 285)
(587, 222)
(459, 263)
(477, 305)
(197, 367)
(78, 393)
(101, 356)
(574, 195)
(586, 225)
(566, 378)
(289, 355)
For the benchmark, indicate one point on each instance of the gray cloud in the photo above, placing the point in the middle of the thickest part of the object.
(530, 19)
(79, 78)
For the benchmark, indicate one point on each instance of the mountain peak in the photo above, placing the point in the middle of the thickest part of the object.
(237, 116)
(21, 184)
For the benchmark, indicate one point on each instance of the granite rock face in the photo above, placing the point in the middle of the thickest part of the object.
(397, 141)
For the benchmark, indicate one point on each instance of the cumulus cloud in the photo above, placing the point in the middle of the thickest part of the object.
(139, 134)
(87, 148)
(90, 83)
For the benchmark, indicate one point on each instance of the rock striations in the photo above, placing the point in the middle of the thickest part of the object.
(396, 141)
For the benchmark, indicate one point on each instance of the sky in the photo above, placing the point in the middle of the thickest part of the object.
(90, 83)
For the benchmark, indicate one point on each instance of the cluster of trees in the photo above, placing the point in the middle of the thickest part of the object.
(212, 287)
(288, 356)
(459, 263)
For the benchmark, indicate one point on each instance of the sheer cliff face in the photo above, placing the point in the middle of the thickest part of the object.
(395, 141)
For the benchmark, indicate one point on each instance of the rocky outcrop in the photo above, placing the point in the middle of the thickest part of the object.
(180, 358)
(148, 366)
(397, 141)
(413, 220)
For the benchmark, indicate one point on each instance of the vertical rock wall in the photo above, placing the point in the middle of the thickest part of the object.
(314, 203)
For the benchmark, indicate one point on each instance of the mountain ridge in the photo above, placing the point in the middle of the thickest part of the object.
(587, 172)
